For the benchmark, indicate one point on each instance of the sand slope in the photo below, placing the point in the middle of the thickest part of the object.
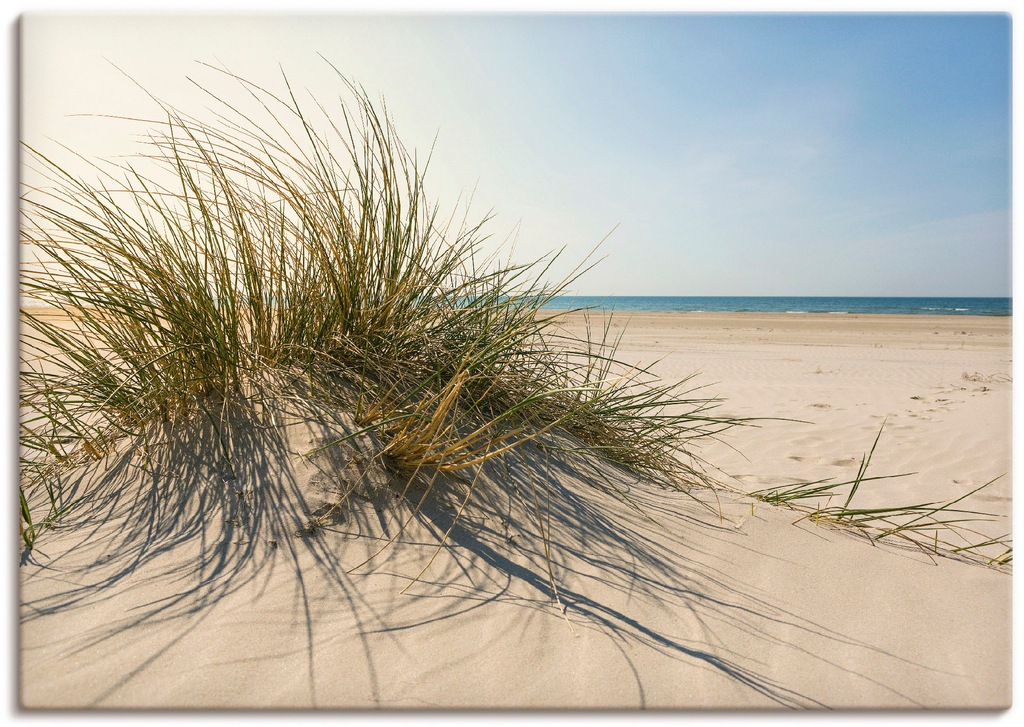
(186, 586)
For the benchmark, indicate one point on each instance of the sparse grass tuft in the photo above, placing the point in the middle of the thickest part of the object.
(933, 527)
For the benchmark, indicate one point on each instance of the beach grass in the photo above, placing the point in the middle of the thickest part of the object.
(932, 527)
(291, 256)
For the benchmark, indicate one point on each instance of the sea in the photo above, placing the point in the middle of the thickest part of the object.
(786, 304)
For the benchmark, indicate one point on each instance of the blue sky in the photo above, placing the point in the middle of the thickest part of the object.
(735, 154)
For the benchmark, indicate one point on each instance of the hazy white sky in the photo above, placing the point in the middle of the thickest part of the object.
(738, 154)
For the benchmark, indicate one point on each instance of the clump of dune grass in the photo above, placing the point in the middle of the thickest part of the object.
(935, 528)
(291, 254)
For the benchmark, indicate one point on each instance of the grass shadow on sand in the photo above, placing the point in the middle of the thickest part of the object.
(174, 551)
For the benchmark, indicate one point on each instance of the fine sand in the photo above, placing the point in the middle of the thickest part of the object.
(184, 586)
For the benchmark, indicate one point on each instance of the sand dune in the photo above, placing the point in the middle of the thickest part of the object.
(186, 585)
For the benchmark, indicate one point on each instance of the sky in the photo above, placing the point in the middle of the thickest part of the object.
(715, 154)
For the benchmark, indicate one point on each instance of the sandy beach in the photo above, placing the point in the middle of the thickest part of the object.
(182, 587)
(939, 384)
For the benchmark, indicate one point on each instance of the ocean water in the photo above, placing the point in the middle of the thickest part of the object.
(782, 304)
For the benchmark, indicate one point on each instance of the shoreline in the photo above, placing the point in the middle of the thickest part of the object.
(869, 305)
(782, 315)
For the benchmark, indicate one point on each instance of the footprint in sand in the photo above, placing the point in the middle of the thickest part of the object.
(845, 462)
(760, 482)
(991, 498)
